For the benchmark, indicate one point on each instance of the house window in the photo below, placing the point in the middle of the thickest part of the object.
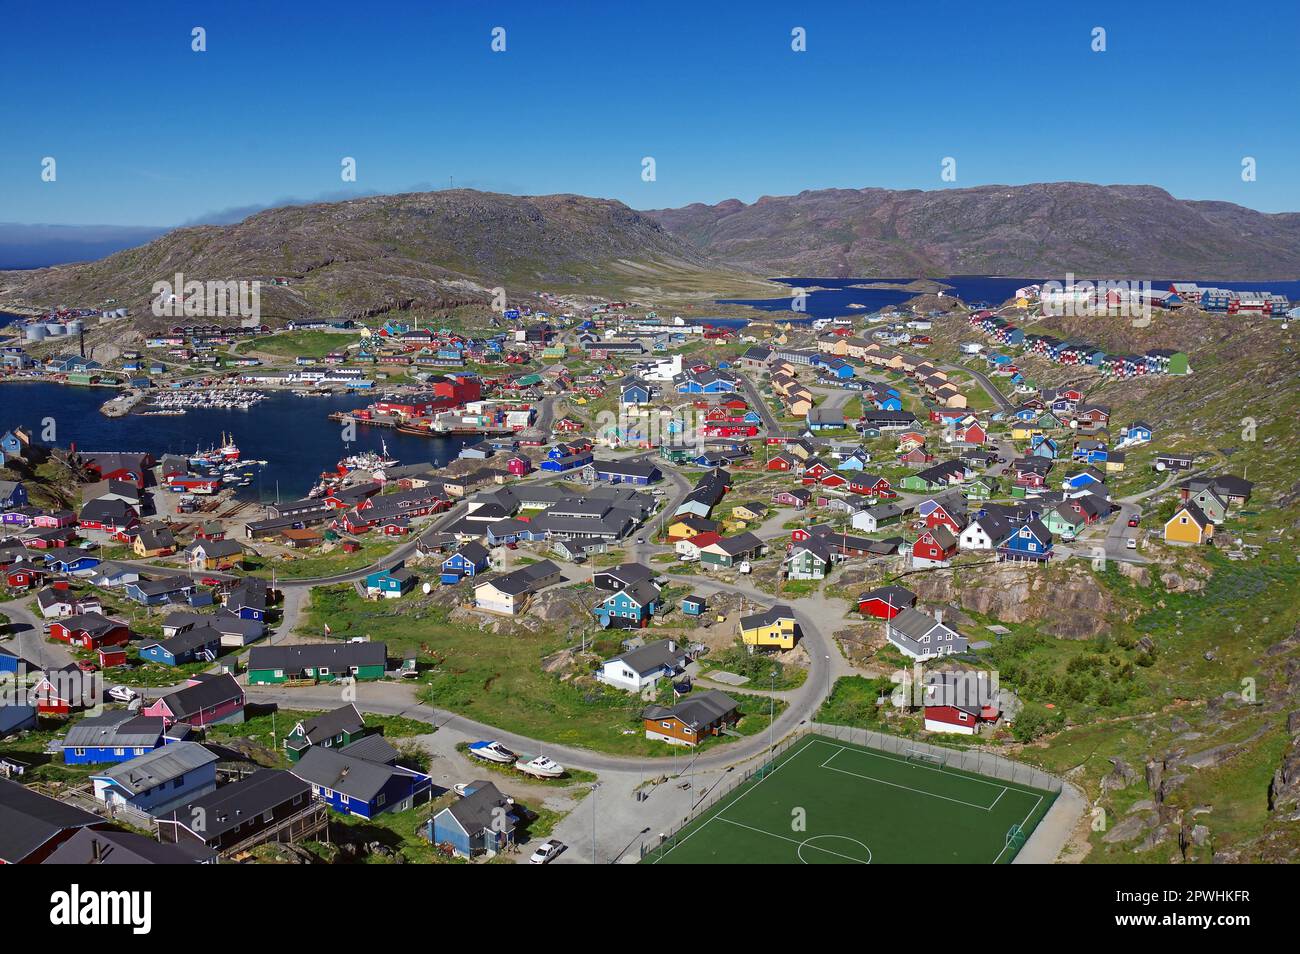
(119, 751)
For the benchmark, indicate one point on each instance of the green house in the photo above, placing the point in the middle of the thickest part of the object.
(311, 663)
(810, 560)
(1064, 521)
(982, 488)
(332, 730)
(920, 483)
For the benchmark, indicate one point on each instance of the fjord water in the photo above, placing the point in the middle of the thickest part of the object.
(833, 296)
(293, 434)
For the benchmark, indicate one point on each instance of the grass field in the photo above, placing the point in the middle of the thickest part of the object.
(828, 802)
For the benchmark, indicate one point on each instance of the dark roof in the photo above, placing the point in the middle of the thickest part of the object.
(329, 724)
(349, 774)
(700, 709)
(29, 819)
(99, 847)
(315, 655)
(477, 811)
(767, 617)
(204, 694)
(897, 596)
(232, 805)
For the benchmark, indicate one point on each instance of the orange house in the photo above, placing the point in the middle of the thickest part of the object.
(1189, 524)
(692, 720)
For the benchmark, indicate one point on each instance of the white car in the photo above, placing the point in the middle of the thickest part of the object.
(1132, 543)
(546, 852)
(123, 694)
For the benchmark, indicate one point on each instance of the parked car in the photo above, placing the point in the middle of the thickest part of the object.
(1134, 521)
(546, 852)
(87, 666)
(1132, 543)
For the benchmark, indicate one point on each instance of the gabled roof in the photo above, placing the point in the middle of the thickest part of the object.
(767, 617)
(165, 764)
(28, 820)
(348, 774)
(696, 710)
(651, 657)
(237, 803)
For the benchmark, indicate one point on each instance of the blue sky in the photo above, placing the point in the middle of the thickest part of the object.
(147, 132)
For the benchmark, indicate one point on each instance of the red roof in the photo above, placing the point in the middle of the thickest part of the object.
(706, 539)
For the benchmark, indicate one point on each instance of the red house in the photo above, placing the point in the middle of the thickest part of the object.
(519, 466)
(816, 472)
(935, 545)
(871, 485)
(90, 631)
(783, 462)
(568, 424)
(940, 516)
(834, 480)
(22, 575)
(886, 602)
(111, 657)
(205, 700)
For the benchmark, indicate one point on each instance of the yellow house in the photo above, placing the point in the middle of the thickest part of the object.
(689, 525)
(1023, 432)
(799, 406)
(951, 397)
(748, 511)
(1189, 524)
(1114, 466)
(774, 628)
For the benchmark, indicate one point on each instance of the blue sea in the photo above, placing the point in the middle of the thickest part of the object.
(293, 434)
(835, 295)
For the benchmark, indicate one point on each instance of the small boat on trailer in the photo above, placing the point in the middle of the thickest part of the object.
(492, 751)
(540, 767)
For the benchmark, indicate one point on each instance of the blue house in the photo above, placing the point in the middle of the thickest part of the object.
(567, 462)
(694, 605)
(248, 601)
(470, 560)
(352, 785)
(625, 472)
(11, 445)
(115, 736)
(1083, 478)
(175, 589)
(635, 392)
(1031, 541)
(390, 583)
(629, 608)
(12, 494)
(72, 561)
(198, 644)
(481, 823)
(1044, 447)
(9, 662)
(161, 780)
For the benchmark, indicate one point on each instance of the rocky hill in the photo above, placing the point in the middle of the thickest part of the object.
(372, 255)
(1033, 230)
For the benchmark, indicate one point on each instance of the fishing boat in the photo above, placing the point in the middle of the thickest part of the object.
(492, 751)
(540, 767)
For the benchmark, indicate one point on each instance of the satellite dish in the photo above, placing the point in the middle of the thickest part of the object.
(427, 589)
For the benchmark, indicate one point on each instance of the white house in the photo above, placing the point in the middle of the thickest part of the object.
(921, 637)
(642, 668)
(983, 534)
(508, 594)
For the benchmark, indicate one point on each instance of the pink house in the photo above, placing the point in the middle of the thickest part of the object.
(56, 520)
(205, 700)
(519, 466)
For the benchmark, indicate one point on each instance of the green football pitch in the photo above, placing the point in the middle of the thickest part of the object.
(829, 802)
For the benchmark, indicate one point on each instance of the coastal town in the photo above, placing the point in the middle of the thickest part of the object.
(657, 556)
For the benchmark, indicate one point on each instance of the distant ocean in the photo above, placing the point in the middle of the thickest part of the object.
(835, 295)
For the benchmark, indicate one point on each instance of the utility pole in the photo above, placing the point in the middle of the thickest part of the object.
(595, 858)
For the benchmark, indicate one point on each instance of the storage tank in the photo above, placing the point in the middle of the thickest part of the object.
(35, 332)
(76, 326)
(54, 327)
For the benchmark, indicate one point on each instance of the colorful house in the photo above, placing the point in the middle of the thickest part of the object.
(1189, 525)
(1031, 542)
(352, 785)
(774, 628)
(311, 663)
(206, 700)
(630, 608)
